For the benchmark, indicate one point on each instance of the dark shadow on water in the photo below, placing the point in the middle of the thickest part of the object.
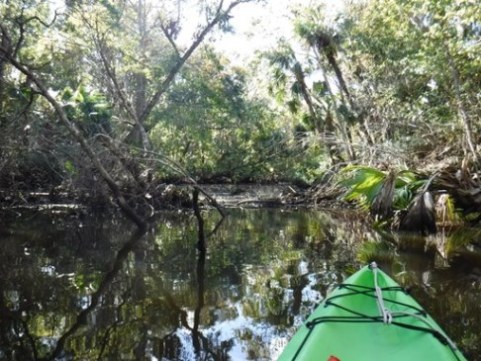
(106, 281)
(26, 347)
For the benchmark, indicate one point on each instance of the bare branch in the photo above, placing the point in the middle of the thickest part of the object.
(99, 40)
(77, 135)
(110, 70)
(220, 14)
(21, 24)
(31, 98)
(47, 25)
(168, 34)
(6, 44)
(20, 39)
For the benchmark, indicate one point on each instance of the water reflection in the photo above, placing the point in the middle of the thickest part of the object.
(102, 292)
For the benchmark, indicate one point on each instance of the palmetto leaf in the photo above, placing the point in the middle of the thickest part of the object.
(363, 183)
(375, 190)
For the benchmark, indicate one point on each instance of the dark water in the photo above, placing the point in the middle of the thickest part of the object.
(87, 288)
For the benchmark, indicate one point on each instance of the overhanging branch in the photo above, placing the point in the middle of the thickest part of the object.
(77, 135)
(164, 85)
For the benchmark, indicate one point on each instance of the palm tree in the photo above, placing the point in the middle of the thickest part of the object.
(325, 42)
(287, 66)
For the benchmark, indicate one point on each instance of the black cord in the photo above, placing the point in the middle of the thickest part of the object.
(360, 317)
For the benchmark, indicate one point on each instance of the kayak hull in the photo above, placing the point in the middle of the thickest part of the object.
(349, 325)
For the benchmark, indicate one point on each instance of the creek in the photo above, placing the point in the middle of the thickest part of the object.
(86, 287)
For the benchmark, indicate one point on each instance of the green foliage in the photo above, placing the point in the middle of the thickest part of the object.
(459, 239)
(364, 184)
(407, 184)
(370, 251)
(403, 55)
(386, 70)
(374, 84)
(215, 130)
(69, 167)
(312, 84)
(208, 122)
(89, 109)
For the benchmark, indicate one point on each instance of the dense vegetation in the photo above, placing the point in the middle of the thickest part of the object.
(110, 104)
(100, 99)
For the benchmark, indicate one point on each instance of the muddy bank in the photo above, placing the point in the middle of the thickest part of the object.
(277, 195)
(171, 196)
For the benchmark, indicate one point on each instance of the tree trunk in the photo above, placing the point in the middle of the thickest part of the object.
(337, 71)
(2, 82)
(4, 45)
(77, 135)
(326, 128)
(142, 107)
(140, 80)
(468, 132)
(342, 84)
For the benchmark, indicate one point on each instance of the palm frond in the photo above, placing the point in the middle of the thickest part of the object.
(363, 184)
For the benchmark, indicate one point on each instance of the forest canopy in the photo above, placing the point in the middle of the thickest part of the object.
(102, 99)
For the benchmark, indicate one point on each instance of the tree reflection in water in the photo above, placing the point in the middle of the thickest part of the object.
(102, 292)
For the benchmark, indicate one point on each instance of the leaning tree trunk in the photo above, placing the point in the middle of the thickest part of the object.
(143, 105)
(77, 135)
(326, 46)
(325, 128)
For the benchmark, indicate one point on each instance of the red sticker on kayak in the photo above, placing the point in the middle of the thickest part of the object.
(333, 358)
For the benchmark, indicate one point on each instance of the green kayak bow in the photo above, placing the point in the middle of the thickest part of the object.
(370, 317)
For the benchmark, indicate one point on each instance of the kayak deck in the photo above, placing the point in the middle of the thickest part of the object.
(370, 317)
